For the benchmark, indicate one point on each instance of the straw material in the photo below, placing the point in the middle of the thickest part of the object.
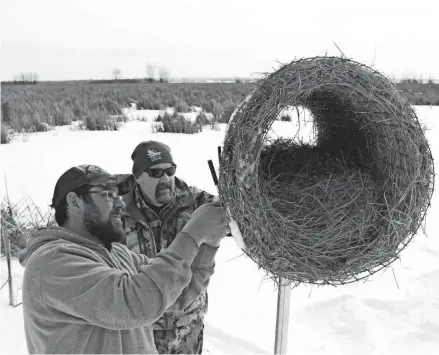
(343, 209)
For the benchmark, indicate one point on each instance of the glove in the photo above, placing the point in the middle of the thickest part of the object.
(208, 224)
(228, 231)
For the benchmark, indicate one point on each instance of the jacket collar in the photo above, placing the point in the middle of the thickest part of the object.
(39, 237)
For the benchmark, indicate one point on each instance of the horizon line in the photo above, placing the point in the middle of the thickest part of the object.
(193, 79)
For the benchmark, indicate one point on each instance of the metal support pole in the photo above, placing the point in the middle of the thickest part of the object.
(7, 246)
(282, 318)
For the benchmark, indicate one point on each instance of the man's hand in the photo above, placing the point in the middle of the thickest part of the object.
(208, 224)
(216, 243)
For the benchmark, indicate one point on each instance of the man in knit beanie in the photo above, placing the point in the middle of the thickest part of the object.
(158, 208)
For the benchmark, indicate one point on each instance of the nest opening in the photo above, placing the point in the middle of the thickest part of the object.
(302, 125)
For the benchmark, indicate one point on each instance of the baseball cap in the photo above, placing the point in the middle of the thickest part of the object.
(92, 175)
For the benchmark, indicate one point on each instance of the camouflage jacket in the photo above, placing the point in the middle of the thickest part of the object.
(148, 233)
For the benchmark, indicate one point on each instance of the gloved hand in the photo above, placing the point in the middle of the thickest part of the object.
(208, 224)
(228, 231)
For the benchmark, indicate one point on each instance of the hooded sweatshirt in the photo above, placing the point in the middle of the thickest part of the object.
(79, 297)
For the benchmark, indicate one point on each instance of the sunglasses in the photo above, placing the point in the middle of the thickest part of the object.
(158, 173)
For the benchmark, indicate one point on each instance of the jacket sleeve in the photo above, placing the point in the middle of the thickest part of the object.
(203, 267)
(76, 282)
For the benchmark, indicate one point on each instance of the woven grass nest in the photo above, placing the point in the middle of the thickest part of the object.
(344, 208)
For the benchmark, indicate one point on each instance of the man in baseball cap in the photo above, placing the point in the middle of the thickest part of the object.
(90, 181)
(85, 292)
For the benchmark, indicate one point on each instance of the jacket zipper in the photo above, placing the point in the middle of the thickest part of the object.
(153, 240)
(165, 216)
(166, 321)
(169, 207)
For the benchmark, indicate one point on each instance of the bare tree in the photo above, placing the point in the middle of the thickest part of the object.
(163, 75)
(117, 74)
(34, 77)
(27, 78)
(150, 69)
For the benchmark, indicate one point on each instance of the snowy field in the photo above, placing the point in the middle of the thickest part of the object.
(392, 313)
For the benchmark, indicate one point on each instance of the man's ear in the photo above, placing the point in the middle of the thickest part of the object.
(72, 199)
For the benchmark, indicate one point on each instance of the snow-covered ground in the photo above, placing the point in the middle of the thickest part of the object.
(393, 313)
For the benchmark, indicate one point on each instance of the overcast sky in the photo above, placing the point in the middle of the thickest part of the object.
(80, 39)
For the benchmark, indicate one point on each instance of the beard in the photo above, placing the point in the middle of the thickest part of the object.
(164, 193)
(108, 231)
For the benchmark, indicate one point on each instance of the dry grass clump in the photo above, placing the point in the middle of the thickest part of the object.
(18, 219)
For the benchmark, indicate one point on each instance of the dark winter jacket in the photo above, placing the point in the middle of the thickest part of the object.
(148, 233)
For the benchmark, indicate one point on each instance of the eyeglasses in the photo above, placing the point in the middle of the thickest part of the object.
(158, 173)
(111, 195)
